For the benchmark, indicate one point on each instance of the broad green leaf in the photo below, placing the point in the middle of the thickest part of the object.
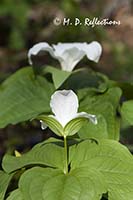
(51, 184)
(24, 96)
(95, 169)
(112, 160)
(104, 104)
(127, 111)
(47, 154)
(59, 76)
(15, 195)
(111, 95)
(86, 78)
(95, 131)
(109, 114)
(4, 182)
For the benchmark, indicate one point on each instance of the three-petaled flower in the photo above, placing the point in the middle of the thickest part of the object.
(68, 54)
(66, 119)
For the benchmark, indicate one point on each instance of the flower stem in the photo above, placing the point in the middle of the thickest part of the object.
(65, 156)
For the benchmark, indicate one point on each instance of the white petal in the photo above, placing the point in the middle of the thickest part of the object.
(60, 48)
(92, 118)
(69, 54)
(42, 46)
(64, 105)
(93, 51)
(43, 125)
(70, 59)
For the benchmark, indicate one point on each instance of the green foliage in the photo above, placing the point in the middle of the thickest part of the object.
(24, 96)
(89, 167)
(95, 131)
(104, 104)
(86, 78)
(127, 111)
(98, 165)
(16, 194)
(112, 161)
(45, 154)
(71, 128)
(4, 182)
(52, 123)
(96, 168)
(58, 75)
(55, 185)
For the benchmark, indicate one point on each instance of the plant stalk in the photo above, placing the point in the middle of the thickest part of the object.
(65, 156)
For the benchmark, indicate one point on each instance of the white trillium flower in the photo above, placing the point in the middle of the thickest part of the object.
(68, 54)
(64, 105)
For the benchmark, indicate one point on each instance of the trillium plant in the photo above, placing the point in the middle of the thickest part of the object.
(83, 158)
(66, 121)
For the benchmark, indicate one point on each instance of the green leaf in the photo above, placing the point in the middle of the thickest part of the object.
(24, 96)
(52, 123)
(86, 78)
(111, 95)
(127, 111)
(59, 76)
(15, 195)
(104, 104)
(95, 169)
(4, 182)
(112, 160)
(95, 131)
(47, 154)
(40, 183)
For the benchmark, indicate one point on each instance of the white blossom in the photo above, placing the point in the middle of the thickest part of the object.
(68, 54)
(64, 105)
